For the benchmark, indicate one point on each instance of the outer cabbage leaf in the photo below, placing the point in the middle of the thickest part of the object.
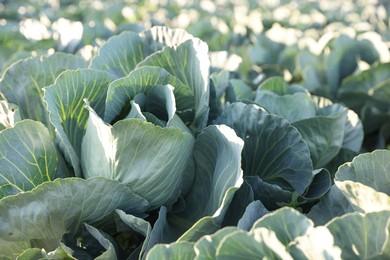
(22, 82)
(28, 158)
(294, 107)
(209, 224)
(238, 206)
(324, 133)
(317, 243)
(120, 54)
(365, 181)
(361, 236)
(354, 90)
(217, 154)
(147, 158)
(179, 251)
(260, 243)
(364, 198)
(206, 247)
(218, 176)
(370, 169)
(66, 108)
(273, 149)
(342, 60)
(253, 212)
(286, 223)
(123, 52)
(62, 206)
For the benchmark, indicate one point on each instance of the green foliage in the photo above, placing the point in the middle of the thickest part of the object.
(244, 133)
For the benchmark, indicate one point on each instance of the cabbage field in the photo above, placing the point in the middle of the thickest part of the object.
(191, 129)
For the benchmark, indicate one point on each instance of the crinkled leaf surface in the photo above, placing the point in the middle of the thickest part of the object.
(190, 63)
(22, 83)
(66, 108)
(361, 236)
(273, 149)
(147, 158)
(28, 158)
(62, 206)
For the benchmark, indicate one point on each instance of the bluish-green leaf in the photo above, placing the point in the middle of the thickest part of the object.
(209, 224)
(294, 107)
(363, 198)
(260, 243)
(190, 63)
(206, 247)
(142, 80)
(253, 212)
(324, 133)
(242, 198)
(123, 52)
(110, 250)
(287, 223)
(28, 158)
(332, 205)
(273, 149)
(147, 158)
(354, 90)
(371, 169)
(12, 249)
(317, 243)
(66, 108)
(23, 82)
(62, 206)
(217, 154)
(176, 251)
(342, 60)
(361, 236)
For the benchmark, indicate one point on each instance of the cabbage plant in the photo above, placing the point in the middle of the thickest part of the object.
(136, 154)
